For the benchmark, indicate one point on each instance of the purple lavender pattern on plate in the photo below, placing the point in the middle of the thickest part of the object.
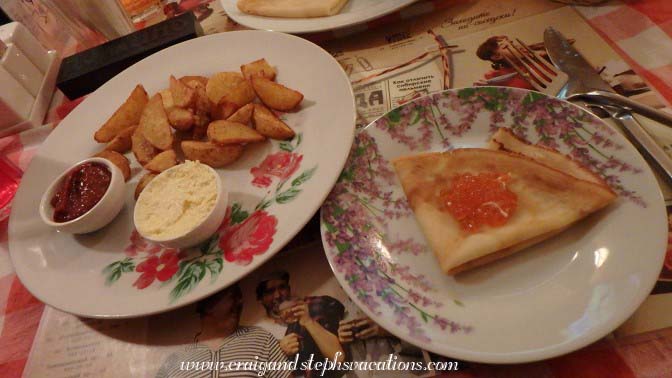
(355, 218)
(358, 215)
(533, 116)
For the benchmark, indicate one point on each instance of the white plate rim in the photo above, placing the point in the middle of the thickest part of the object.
(306, 25)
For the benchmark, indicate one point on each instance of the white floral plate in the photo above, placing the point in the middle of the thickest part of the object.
(551, 299)
(274, 189)
(353, 13)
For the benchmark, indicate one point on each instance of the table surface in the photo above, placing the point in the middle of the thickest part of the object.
(640, 31)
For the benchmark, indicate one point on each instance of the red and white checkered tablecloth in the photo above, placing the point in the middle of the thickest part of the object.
(20, 312)
(641, 31)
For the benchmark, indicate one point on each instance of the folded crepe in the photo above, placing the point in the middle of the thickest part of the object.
(505, 140)
(291, 8)
(535, 201)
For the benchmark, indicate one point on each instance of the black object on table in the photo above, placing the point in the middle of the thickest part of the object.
(4, 18)
(84, 72)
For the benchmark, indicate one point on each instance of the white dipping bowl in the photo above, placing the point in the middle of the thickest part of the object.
(100, 214)
(203, 230)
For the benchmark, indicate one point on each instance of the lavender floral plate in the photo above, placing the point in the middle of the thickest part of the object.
(551, 299)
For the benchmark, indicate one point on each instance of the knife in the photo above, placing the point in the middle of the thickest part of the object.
(583, 80)
(590, 85)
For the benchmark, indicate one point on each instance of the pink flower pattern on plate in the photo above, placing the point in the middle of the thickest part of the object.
(240, 237)
(241, 242)
(281, 165)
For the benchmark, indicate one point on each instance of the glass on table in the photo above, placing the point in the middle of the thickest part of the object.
(137, 9)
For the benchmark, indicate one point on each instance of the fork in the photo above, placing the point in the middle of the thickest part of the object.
(541, 75)
(546, 78)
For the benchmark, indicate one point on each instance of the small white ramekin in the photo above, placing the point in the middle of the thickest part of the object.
(200, 232)
(100, 214)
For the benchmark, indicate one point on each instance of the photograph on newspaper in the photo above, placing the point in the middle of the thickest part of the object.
(282, 320)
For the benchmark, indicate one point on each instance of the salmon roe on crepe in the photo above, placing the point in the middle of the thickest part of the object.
(479, 200)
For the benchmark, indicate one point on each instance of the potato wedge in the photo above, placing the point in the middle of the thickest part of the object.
(242, 115)
(241, 95)
(144, 180)
(143, 150)
(223, 110)
(258, 68)
(212, 154)
(276, 96)
(162, 161)
(226, 132)
(122, 142)
(127, 115)
(200, 128)
(183, 95)
(119, 160)
(202, 103)
(154, 124)
(230, 86)
(167, 98)
(189, 80)
(181, 119)
(267, 124)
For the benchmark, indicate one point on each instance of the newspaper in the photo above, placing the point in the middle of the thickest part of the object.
(388, 66)
(391, 66)
(68, 346)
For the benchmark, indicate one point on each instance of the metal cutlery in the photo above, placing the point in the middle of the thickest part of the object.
(583, 80)
(542, 76)
(611, 98)
(645, 144)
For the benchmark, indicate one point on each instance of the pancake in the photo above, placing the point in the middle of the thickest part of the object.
(547, 201)
(505, 140)
(291, 8)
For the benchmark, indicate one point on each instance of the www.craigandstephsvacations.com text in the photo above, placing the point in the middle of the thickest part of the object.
(262, 367)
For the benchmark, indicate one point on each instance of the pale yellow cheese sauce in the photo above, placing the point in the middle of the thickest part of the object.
(176, 201)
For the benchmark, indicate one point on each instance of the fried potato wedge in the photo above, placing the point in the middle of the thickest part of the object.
(143, 150)
(267, 124)
(167, 98)
(226, 132)
(258, 68)
(223, 110)
(127, 115)
(154, 124)
(200, 128)
(190, 79)
(181, 119)
(242, 115)
(276, 96)
(142, 183)
(119, 160)
(231, 87)
(122, 142)
(183, 95)
(211, 154)
(162, 161)
(202, 103)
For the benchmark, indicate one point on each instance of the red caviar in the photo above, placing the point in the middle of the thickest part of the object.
(479, 200)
